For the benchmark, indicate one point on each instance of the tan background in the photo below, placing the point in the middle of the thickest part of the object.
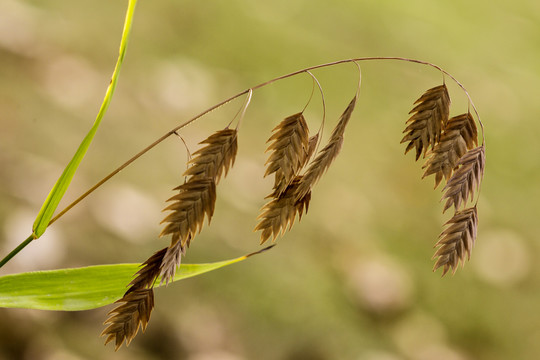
(353, 280)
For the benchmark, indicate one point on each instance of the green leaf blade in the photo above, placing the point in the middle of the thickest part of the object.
(82, 288)
(60, 187)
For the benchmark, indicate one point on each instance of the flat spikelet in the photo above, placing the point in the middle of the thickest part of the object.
(454, 156)
(326, 156)
(216, 158)
(171, 260)
(467, 177)
(124, 320)
(197, 196)
(149, 271)
(428, 119)
(136, 305)
(281, 211)
(289, 147)
(195, 200)
(457, 240)
(459, 136)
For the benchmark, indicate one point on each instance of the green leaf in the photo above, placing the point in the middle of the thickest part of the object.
(82, 288)
(59, 189)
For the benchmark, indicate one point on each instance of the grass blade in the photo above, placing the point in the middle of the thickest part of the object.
(83, 288)
(59, 189)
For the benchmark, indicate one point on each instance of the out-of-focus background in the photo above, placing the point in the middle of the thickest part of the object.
(353, 279)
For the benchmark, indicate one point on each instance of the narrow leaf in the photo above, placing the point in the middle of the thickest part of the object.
(59, 189)
(82, 288)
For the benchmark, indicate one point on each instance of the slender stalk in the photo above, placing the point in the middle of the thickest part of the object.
(60, 187)
(43, 219)
(248, 100)
(323, 102)
(16, 250)
(249, 91)
(242, 111)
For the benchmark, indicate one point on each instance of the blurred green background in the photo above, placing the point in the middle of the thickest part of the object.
(353, 279)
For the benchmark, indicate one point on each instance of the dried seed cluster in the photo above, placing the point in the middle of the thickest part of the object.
(450, 145)
(454, 156)
(290, 150)
(194, 202)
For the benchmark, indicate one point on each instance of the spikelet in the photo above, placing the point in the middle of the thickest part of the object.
(216, 158)
(289, 147)
(428, 119)
(281, 211)
(171, 261)
(459, 136)
(124, 320)
(197, 196)
(466, 178)
(327, 155)
(457, 240)
(195, 201)
(149, 271)
(454, 158)
(136, 305)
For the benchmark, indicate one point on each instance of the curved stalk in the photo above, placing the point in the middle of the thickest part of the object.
(43, 219)
(250, 91)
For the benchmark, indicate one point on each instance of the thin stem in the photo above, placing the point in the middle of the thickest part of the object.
(43, 219)
(60, 187)
(16, 250)
(321, 127)
(188, 153)
(322, 96)
(244, 108)
(313, 79)
(250, 90)
(142, 152)
(261, 85)
(359, 78)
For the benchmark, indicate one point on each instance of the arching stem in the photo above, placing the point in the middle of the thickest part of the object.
(248, 91)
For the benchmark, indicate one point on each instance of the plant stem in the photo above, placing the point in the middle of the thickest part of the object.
(16, 250)
(60, 187)
(248, 91)
(43, 219)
